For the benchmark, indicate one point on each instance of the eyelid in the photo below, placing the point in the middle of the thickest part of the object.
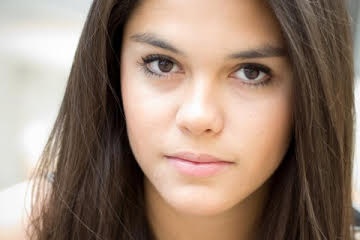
(267, 79)
(260, 67)
(150, 58)
(154, 57)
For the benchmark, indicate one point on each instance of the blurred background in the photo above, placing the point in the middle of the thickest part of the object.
(38, 39)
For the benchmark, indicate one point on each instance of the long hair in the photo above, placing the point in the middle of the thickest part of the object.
(97, 189)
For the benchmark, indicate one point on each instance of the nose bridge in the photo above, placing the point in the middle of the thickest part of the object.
(200, 109)
(200, 93)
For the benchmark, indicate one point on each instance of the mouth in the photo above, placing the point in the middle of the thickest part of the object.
(197, 165)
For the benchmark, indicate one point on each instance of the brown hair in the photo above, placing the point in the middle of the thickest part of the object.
(97, 190)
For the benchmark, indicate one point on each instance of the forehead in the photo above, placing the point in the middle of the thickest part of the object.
(207, 23)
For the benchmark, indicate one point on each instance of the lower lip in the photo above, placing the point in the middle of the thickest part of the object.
(197, 169)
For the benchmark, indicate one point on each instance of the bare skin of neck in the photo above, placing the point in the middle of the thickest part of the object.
(240, 222)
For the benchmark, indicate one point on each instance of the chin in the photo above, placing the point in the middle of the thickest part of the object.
(198, 204)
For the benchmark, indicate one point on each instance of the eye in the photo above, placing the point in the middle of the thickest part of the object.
(253, 74)
(160, 65)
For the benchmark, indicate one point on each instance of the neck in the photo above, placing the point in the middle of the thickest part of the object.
(240, 222)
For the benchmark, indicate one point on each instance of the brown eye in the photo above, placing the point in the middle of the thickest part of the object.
(251, 73)
(161, 66)
(165, 65)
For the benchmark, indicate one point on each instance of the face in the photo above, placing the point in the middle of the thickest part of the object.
(207, 94)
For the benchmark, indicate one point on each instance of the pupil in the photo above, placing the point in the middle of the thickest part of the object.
(165, 65)
(251, 73)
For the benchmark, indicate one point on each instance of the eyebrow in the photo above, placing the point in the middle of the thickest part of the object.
(265, 51)
(261, 52)
(152, 39)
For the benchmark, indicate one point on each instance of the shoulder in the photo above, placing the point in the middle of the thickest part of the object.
(15, 204)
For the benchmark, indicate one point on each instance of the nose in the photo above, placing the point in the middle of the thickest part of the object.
(200, 113)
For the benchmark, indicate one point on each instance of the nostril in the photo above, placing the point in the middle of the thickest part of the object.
(208, 131)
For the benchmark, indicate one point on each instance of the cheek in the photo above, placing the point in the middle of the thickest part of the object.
(146, 113)
(263, 132)
(145, 120)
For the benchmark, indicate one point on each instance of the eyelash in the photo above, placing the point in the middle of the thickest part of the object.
(258, 67)
(158, 57)
(152, 58)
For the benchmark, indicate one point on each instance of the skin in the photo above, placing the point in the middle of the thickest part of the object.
(205, 105)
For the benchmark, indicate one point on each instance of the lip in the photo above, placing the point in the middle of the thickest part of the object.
(197, 157)
(197, 165)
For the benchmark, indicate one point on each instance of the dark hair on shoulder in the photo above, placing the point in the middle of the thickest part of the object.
(97, 189)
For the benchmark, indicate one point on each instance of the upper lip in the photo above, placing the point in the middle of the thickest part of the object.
(196, 157)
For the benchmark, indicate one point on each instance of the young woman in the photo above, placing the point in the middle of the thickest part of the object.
(203, 120)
